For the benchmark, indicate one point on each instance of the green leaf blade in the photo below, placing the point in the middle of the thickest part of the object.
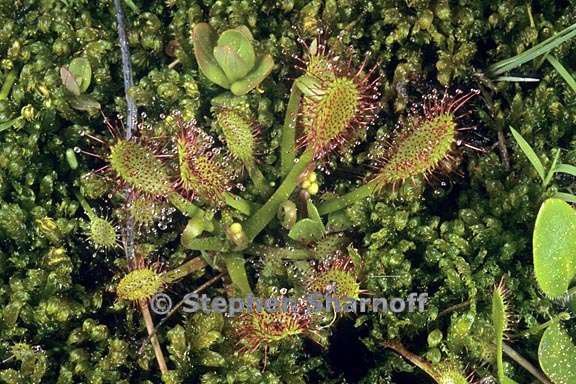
(254, 78)
(539, 49)
(556, 355)
(82, 72)
(240, 52)
(204, 40)
(566, 168)
(562, 71)
(530, 154)
(231, 63)
(554, 247)
(568, 197)
(69, 81)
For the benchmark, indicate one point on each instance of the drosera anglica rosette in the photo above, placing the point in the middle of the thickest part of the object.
(424, 144)
(340, 102)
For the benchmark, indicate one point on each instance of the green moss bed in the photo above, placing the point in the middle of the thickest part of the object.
(455, 229)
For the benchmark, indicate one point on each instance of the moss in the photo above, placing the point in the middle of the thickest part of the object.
(454, 237)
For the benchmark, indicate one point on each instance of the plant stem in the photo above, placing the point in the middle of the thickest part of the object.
(87, 208)
(454, 308)
(237, 272)
(350, 198)
(130, 126)
(258, 179)
(176, 308)
(7, 85)
(185, 269)
(189, 209)
(279, 253)
(537, 329)
(183, 205)
(256, 223)
(499, 359)
(511, 353)
(411, 357)
(288, 143)
(206, 244)
(241, 205)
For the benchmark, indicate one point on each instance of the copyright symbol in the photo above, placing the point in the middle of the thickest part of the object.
(160, 303)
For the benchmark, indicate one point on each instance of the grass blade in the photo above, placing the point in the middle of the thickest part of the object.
(566, 168)
(567, 197)
(562, 71)
(530, 154)
(552, 169)
(516, 79)
(532, 53)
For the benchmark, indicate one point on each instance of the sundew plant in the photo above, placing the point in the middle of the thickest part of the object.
(410, 164)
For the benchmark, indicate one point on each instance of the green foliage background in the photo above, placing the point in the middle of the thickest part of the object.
(60, 320)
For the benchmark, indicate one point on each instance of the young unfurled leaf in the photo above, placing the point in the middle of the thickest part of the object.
(237, 272)
(556, 355)
(554, 245)
(310, 229)
(313, 212)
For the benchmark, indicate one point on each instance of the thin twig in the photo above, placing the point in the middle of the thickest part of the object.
(511, 353)
(131, 110)
(153, 338)
(454, 308)
(176, 308)
(126, 69)
(130, 127)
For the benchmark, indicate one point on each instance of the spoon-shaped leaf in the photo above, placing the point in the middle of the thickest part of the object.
(556, 354)
(554, 246)
(204, 39)
(82, 71)
(235, 54)
(69, 81)
(254, 78)
(231, 63)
